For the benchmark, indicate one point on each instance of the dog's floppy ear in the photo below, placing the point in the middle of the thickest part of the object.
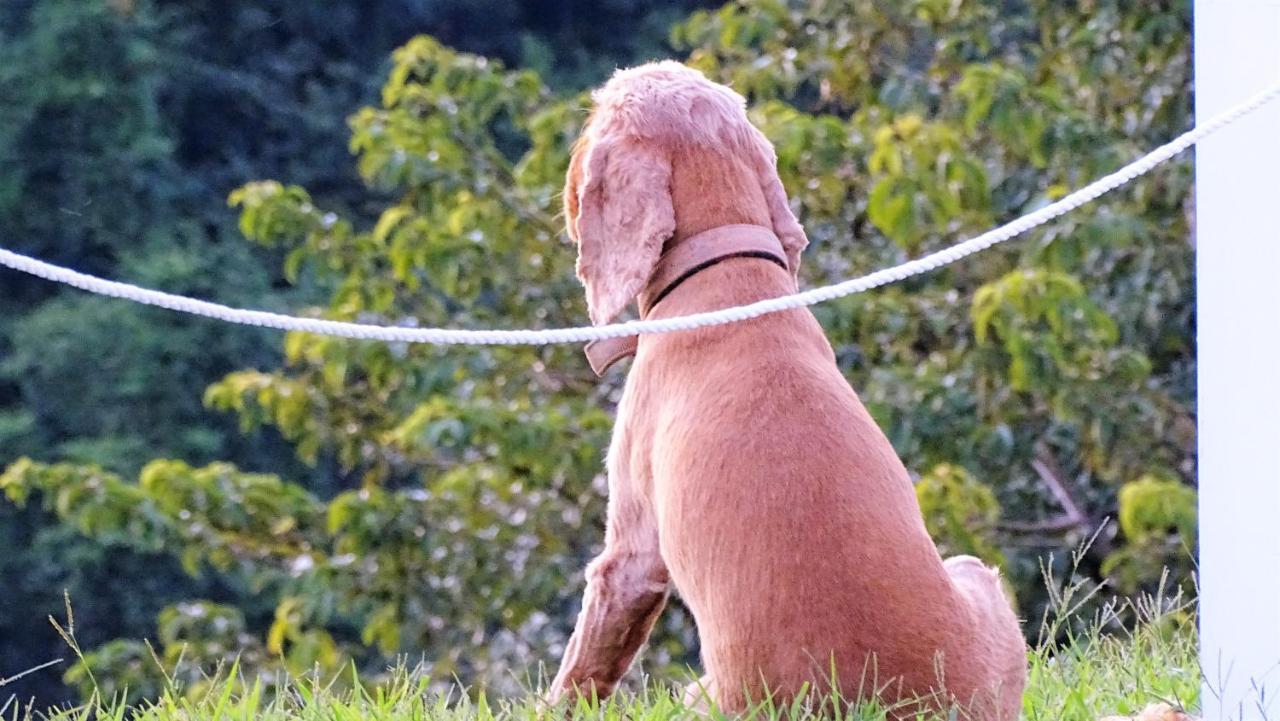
(619, 210)
(785, 225)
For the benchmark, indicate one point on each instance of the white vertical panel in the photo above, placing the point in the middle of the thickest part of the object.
(1237, 52)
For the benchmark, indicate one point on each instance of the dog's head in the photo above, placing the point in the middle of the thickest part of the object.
(617, 195)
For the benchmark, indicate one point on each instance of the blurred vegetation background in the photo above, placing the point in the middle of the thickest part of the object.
(305, 503)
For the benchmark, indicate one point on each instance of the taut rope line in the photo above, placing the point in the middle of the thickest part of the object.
(446, 336)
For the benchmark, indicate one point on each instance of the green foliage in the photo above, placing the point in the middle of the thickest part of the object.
(1122, 674)
(1096, 675)
(960, 512)
(1047, 325)
(1155, 506)
(134, 671)
(123, 124)
(1027, 384)
(1158, 518)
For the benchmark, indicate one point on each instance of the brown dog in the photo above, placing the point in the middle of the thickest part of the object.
(743, 467)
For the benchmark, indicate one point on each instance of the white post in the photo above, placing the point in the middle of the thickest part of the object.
(1237, 52)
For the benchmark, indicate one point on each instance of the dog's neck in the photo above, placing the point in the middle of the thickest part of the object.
(682, 262)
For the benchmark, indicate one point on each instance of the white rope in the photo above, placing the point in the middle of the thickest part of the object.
(445, 336)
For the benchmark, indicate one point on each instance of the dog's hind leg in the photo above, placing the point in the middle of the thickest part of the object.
(998, 697)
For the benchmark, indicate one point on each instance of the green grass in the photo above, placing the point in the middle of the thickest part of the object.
(1096, 667)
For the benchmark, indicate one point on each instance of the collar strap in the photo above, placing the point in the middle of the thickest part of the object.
(690, 257)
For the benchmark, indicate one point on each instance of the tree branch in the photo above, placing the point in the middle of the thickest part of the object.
(1072, 517)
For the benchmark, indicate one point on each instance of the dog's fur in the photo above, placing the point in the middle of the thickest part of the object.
(743, 467)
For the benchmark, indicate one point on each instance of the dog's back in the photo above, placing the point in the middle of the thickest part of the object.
(788, 523)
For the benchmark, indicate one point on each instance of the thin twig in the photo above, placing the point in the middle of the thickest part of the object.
(1072, 517)
(1057, 524)
(5, 681)
(1047, 468)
